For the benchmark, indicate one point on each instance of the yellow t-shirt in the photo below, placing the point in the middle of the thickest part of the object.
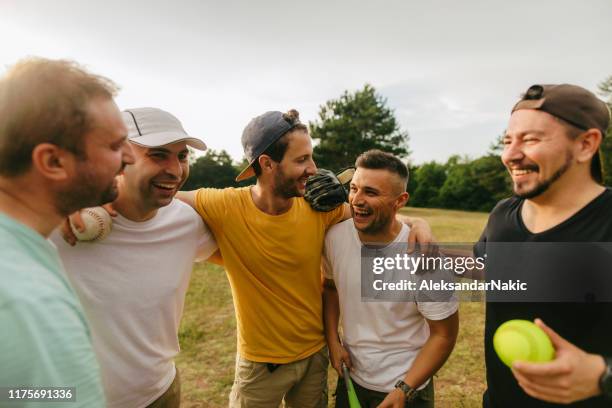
(273, 266)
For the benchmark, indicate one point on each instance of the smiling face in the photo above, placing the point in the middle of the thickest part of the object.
(537, 152)
(375, 197)
(291, 173)
(157, 174)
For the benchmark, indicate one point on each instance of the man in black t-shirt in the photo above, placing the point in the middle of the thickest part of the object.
(551, 149)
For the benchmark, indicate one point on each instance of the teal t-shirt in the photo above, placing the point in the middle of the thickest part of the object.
(44, 337)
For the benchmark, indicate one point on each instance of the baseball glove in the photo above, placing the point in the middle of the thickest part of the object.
(325, 191)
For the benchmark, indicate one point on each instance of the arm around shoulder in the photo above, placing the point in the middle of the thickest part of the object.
(188, 197)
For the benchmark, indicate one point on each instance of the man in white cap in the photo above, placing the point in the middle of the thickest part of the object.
(132, 284)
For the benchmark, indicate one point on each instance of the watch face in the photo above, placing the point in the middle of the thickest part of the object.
(406, 389)
(401, 385)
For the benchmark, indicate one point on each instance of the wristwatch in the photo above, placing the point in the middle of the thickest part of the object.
(605, 381)
(406, 389)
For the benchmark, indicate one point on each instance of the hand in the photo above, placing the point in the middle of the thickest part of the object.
(421, 234)
(338, 356)
(572, 376)
(77, 221)
(394, 399)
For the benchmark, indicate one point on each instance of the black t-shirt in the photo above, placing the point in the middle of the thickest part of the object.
(587, 325)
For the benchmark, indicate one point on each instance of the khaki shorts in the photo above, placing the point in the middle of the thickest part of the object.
(301, 384)
(172, 397)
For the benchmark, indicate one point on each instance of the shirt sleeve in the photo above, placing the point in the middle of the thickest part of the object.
(438, 305)
(210, 204)
(333, 217)
(207, 245)
(480, 247)
(438, 310)
(49, 347)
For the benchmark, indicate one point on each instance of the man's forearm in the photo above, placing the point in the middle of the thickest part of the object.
(430, 359)
(188, 197)
(435, 351)
(406, 219)
(331, 313)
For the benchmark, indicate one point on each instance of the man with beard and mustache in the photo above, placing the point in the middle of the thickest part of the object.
(62, 143)
(133, 283)
(551, 150)
(271, 242)
(393, 348)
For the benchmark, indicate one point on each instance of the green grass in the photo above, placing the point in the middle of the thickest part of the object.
(208, 330)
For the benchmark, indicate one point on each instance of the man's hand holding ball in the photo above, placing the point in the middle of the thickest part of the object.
(570, 375)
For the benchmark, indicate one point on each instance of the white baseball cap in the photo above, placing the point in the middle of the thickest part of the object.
(152, 127)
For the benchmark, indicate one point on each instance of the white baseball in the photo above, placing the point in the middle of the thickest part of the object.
(98, 224)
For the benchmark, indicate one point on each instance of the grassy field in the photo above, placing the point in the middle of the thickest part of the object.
(208, 331)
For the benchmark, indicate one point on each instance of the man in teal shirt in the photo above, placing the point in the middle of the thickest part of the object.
(62, 142)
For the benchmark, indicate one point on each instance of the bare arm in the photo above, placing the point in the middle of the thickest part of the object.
(188, 197)
(331, 316)
(435, 351)
(433, 355)
(420, 233)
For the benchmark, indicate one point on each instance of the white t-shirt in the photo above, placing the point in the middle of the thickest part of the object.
(382, 338)
(132, 286)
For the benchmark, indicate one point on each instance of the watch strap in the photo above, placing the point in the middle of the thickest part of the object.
(407, 390)
(605, 381)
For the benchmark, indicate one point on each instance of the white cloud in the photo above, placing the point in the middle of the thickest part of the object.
(451, 70)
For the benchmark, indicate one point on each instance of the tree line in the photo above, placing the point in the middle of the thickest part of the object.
(361, 120)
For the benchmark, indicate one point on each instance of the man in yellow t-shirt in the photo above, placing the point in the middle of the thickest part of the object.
(271, 241)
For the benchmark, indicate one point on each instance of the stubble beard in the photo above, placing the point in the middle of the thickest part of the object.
(545, 185)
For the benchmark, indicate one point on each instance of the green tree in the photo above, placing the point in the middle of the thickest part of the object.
(412, 182)
(352, 124)
(214, 169)
(475, 185)
(605, 90)
(429, 178)
(460, 190)
(492, 176)
(497, 146)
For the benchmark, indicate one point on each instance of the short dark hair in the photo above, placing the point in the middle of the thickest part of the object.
(277, 150)
(46, 101)
(378, 160)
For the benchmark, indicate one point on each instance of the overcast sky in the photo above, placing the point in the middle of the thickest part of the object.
(451, 70)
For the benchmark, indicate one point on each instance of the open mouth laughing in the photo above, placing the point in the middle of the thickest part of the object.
(361, 214)
(521, 172)
(166, 188)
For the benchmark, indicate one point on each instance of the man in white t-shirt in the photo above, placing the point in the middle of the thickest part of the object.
(132, 284)
(392, 348)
